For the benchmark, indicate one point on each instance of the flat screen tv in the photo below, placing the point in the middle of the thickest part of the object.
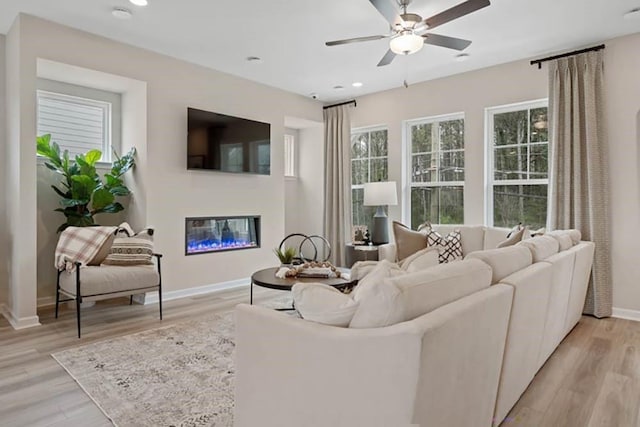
(227, 144)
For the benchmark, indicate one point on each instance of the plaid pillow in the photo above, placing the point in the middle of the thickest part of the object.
(449, 246)
(134, 250)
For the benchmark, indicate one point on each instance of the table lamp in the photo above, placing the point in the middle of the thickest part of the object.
(380, 194)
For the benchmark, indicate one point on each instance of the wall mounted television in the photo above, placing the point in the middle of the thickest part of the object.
(227, 144)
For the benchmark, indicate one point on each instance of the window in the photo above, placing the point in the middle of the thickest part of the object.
(289, 156)
(77, 124)
(436, 158)
(368, 164)
(518, 145)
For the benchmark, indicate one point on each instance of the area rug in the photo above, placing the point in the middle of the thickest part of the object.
(178, 375)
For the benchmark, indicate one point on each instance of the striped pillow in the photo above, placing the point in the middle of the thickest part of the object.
(134, 250)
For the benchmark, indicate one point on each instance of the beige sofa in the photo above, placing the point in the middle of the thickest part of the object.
(465, 363)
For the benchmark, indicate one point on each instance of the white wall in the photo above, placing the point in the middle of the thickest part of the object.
(172, 193)
(3, 204)
(472, 92)
(622, 112)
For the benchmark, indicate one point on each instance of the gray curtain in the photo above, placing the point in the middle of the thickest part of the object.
(337, 180)
(579, 166)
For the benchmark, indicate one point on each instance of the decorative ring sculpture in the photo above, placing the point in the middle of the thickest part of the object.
(310, 240)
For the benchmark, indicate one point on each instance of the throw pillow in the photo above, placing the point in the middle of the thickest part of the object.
(515, 237)
(104, 251)
(408, 241)
(449, 246)
(422, 259)
(324, 304)
(379, 302)
(135, 250)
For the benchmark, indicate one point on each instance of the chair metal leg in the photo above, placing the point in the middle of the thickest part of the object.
(57, 294)
(131, 300)
(78, 313)
(78, 296)
(159, 285)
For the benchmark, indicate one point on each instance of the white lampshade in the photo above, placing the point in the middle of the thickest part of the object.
(406, 43)
(380, 193)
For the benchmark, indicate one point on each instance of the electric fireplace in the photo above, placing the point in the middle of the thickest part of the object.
(221, 233)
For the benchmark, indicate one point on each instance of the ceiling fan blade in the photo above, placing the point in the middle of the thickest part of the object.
(446, 41)
(387, 58)
(386, 9)
(456, 12)
(355, 40)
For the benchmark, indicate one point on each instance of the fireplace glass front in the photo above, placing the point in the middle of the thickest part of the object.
(216, 234)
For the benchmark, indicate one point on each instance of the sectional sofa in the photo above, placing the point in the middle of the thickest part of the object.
(475, 334)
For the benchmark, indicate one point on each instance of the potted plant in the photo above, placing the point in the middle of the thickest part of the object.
(285, 256)
(84, 193)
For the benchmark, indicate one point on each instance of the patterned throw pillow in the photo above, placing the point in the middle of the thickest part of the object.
(134, 250)
(449, 246)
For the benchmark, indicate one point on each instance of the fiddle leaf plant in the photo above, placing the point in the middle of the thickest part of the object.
(84, 193)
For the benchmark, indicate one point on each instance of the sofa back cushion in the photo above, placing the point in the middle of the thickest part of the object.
(541, 247)
(493, 236)
(565, 236)
(504, 261)
(426, 290)
(424, 258)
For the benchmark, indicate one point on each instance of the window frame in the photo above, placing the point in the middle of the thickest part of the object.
(490, 180)
(408, 160)
(93, 97)
(290, 164)
(366, 129)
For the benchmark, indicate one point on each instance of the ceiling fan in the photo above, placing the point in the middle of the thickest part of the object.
(409, 32)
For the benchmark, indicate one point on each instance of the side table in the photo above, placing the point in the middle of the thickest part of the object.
(356, 253)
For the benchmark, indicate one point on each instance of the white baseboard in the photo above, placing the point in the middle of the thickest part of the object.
(19, 323)
(152, 297)
(46, 301)
(624, 313)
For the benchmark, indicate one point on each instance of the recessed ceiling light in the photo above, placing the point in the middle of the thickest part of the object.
(254, 59)
(121, 13)
(633, 13)
(462, 57)
(139, 2)
(356, 84)
(338, 87)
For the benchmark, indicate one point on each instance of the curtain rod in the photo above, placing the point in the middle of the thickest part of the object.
(353, 101)
(564, 55)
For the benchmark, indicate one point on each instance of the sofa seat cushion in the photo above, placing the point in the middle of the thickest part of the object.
(504, 261)
(108, 279)
(378, 301)
(324, 304)
(424, 291)
(541, 247)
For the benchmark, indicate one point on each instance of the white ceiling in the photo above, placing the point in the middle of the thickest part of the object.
(289, 36)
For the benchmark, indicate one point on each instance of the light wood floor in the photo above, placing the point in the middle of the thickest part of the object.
(593, 378)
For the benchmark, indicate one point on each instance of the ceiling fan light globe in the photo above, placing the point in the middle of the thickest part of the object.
(406, 43)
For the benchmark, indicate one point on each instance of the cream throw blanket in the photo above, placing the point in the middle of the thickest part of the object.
(80, 244)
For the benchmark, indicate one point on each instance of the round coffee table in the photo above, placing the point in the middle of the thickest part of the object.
(266, 278)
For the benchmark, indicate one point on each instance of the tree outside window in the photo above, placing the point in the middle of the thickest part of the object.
(437, 170)
(369, 160)
(519, 173)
